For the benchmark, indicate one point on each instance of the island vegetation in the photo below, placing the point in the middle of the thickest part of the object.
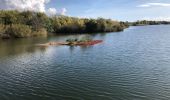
(15, 24)
(85, 41)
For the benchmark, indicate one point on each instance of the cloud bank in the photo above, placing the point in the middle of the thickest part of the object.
(155, 5)
(32, 5)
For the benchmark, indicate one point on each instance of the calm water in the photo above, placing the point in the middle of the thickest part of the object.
(129, 65)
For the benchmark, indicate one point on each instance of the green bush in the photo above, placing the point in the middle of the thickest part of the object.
(40, 32)
(19, 31)
(2, 28)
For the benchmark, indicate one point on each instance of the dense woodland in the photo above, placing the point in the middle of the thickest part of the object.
(15, 24)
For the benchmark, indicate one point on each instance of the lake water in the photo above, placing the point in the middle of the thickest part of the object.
(129, 65)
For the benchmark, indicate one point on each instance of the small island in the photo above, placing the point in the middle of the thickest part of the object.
(74, 42)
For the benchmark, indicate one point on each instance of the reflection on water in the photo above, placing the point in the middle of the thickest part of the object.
(129, 65)
(19, 46)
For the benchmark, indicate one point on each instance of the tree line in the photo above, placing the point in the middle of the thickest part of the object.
(147, 22)
(29, 24)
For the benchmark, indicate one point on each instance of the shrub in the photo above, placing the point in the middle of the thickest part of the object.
(40, 32)
(2, 29)
(19, 31)
(72, 40)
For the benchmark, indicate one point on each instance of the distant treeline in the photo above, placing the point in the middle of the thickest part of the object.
(29, 24)
(146, 22)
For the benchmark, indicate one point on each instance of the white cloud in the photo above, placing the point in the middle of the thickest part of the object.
(63, 11)
(155, 5)
(32, 5)
(52, 11)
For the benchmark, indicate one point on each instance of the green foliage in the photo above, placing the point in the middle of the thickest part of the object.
(72, 40)
(40, 32)
(83, 39)
(23, 24)
(62, 24)
(28, 24)
(2, 28)
(19, 31)
(145, 22)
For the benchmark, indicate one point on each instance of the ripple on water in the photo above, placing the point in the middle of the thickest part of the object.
(129, 65)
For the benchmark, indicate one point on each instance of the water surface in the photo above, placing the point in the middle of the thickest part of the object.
(129, 65)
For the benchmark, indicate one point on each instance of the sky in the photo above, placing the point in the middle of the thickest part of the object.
(122, 10)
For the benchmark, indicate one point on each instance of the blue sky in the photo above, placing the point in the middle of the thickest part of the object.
(115, 9)
(124, 10)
